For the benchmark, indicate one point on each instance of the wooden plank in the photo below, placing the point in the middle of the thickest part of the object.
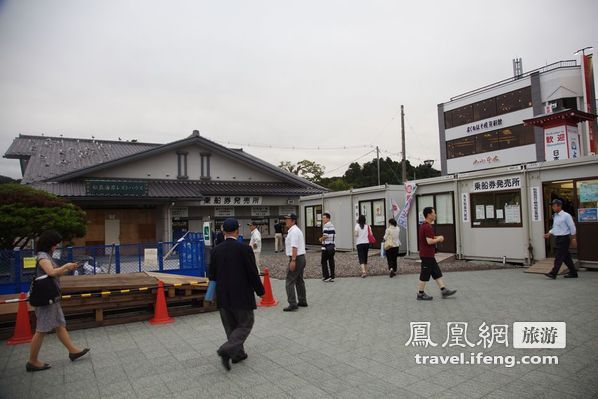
(545, 266)
(168, 279)
(99, 315)
(105, 282)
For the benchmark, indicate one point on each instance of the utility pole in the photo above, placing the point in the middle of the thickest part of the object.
(378, 160)
(404, 161)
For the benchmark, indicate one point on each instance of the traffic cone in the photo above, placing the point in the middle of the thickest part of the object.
(160, 309)
(22, 334)
(268, 298)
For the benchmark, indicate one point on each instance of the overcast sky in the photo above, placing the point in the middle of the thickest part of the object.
(281, 73)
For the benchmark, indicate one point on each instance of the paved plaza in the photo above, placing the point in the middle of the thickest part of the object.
(349, 343)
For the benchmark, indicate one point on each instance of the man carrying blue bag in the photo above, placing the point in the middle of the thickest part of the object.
(236, 278)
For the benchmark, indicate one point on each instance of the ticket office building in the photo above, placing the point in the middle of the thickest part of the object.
(141, 192)
(502, 214)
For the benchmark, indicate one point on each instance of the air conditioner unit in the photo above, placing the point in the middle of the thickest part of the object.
(291, 202)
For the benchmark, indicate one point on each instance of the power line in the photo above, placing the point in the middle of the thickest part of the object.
(275, 147)
(350, 162)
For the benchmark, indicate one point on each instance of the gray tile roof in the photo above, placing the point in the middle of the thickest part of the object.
(175, 189)
(54, 156)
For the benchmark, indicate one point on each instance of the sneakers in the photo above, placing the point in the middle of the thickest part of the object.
(446, 292)
(302, 304)
(424, 297)
(550, 275)
(332, 279)
(327, 280)
(570, 275)
(392, 273)
(290, 308)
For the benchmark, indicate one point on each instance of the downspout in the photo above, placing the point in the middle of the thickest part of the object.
(458, 221)
(530, 246)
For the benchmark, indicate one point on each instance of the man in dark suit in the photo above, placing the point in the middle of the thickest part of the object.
(235, 272)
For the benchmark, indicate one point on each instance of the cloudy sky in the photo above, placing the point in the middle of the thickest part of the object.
(267, 73)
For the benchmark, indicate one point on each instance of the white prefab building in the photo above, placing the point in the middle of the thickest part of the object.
(345, 207)
(502, 214)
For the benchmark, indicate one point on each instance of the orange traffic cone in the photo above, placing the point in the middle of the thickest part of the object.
(268, 298)
(22, 334)
(160, 309)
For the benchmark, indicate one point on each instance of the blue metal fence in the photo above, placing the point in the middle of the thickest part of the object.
(188, 258)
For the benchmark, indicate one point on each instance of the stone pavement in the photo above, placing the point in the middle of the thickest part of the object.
(349, 343)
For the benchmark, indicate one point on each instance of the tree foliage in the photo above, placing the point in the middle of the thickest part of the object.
(26, 212)
(309, 170)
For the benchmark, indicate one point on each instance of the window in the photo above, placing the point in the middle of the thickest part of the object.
(508, 102)
(444, 208)
(205, 165)
(423, 201)
(374, 212)
(496, 209)
(486, 142)
(182, 165)
(484, 109)
(515, 136)
(309, 216)
(461, 147)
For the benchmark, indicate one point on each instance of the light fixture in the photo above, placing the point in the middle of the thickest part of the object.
(429, 162)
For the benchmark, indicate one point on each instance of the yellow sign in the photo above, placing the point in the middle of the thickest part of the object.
(28, 263)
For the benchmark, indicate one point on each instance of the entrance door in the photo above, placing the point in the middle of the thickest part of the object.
(313, 224)
(445, 219)
(587, 219)
(563, 190)
(111, 233)
(375, 216)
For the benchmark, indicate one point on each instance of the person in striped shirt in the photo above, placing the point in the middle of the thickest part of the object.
(328, 249)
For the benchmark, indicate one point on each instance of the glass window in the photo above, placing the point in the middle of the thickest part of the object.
(587, 195)
(444, 208)
(496, 209)
(309, 216)
(514, 100)
(484, 109)
(422, 202)
(486, 142)
(205, 166)
(448, 120)
(365, 208)
(462, 115)
(461, 147)
(182, 165)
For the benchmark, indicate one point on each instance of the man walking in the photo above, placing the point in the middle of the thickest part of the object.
(278, 229)
(295, 250)
(255, 243)
(563, 230)
(236, 275)
(427, 253)
(328, 249)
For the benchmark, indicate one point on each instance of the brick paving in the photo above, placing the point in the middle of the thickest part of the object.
(349, 343)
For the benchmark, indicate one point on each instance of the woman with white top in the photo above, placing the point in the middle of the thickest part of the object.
(391, 246)
(363, 243)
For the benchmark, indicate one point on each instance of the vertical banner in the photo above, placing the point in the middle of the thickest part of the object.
(590, 99)
(410, 189)
(555, 143)
(465, 207)
(395, 208)
(535, 204)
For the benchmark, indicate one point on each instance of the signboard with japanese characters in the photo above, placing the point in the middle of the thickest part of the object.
(180, 212)
(224, 211)
(496, 184)
(465, 207)
(232, 200)
(115, 188)
(535, 204)
(286, 210)
(260, 211)
(486, 125)
(555, 143)
(573, 142)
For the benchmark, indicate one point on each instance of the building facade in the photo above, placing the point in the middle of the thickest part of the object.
(486, 128)
(141, 192)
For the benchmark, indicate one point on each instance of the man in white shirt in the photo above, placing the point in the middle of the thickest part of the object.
(564, 231)
(295, 250)
(255, 243)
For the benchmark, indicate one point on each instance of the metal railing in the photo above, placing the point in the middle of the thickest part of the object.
(17, 267)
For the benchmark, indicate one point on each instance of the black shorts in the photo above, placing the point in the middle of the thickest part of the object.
(429, 268)
(362, 253)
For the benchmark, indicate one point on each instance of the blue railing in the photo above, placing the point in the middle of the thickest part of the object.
(188, 258)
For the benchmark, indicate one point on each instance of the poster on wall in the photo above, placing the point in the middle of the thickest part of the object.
(286, 210)
(512, 214)
(587, 214)
(379, 214)
(480, 212)
(535, 204)
(224, 211)
(260, 211)
(489, 211)
(500, 214)
(465, 207)
(588, 192)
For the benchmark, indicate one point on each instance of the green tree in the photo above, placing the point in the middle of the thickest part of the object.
(309, 170)
(26, 212)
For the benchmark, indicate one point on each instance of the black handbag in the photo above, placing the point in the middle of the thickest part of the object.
(330, 249)
(44, 290)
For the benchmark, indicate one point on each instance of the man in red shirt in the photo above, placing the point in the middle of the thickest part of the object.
(427, 251)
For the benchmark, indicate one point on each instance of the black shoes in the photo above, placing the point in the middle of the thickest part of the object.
(424, 297)
(225, 361)
(392, 273)
(446, 292)
(75, 356)
(550, 275)
(290, 308)
(302, 304)
(31, 368)
(571, 275)
(240, 359)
